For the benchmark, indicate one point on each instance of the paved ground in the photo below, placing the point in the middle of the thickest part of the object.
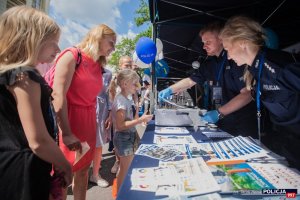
(95, 192)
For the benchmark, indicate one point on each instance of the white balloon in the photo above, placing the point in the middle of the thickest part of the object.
(146, 78)
(159, 46)
(134, 57)
(138, 62)
(141, 64)
(161, 55)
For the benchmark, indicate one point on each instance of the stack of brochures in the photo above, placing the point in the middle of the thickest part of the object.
(185, 177)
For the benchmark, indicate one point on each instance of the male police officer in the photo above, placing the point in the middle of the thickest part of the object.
(227, 81)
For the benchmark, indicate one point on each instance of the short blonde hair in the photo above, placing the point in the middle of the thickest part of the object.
(22, 30)
(123, 58)
(92, 41)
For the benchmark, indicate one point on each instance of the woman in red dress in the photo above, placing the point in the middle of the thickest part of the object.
(74, 91)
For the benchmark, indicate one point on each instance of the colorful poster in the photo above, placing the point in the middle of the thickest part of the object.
(239, 177)
(279, 175)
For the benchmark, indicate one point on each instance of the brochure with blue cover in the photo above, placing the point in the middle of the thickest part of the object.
(237, 177)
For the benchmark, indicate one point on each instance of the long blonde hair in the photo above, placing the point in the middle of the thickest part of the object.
(244, 28)
(22, 30)
(92, 41)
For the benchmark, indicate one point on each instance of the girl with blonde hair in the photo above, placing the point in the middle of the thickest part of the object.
(75, 91)
(125, 135)
(28, 126)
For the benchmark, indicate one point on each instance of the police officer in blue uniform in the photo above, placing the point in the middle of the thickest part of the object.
(274, 78)
(226, 80)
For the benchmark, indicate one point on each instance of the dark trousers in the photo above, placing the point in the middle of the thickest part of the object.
(111, 144)
(285, 141)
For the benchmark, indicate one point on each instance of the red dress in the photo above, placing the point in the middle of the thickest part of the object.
(81, 97)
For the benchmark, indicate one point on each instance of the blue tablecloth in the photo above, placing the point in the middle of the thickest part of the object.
(125, 192)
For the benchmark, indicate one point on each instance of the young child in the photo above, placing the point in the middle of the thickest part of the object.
(126, 138)
(28, 124)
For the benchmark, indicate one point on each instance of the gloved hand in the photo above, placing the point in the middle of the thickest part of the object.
(165, 94)
(211, 116)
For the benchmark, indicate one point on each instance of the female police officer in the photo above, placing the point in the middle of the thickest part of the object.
(227, 81)
(274, 78)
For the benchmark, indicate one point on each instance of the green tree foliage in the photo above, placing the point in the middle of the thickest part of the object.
(126, 46)
(143, 15)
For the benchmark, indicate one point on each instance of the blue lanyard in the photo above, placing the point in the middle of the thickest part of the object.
(261, 62)
(221, 68)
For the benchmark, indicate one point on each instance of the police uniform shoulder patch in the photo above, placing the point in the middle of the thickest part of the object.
(272, 70)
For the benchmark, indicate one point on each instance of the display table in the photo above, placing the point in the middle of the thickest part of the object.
(143, 162)
(126, 193)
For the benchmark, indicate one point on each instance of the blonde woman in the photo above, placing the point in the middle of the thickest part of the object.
(75, 90)
(273, 76)
(27, 128)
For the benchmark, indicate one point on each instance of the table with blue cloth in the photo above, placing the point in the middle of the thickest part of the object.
(126, 193)
(144, 162)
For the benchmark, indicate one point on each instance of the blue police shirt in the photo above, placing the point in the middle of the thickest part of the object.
(231, 78)
(280, 86)
(242, 122)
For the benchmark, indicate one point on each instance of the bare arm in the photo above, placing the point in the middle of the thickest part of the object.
(237, 102)
(136, 104)
(64, 71)
(121, 124)
(182, 85)
(108, 121)
(28, 96)
(146, 95)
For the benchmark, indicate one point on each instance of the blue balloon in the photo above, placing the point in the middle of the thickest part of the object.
(161, 68)
(146, 50)
(272, 39)
(147, 71)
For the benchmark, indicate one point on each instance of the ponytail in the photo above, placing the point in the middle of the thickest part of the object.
(248, 78)
(113, 88)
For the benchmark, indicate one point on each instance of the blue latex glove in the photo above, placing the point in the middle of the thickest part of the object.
(211, 116)
(166, 93)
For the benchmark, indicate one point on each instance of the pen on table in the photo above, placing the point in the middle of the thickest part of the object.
(232, 171)
(229, 193)
(232, 162)
(225, 162)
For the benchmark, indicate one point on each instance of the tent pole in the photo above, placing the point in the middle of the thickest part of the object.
(273, 12)
(186, 48)
(153, 99)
